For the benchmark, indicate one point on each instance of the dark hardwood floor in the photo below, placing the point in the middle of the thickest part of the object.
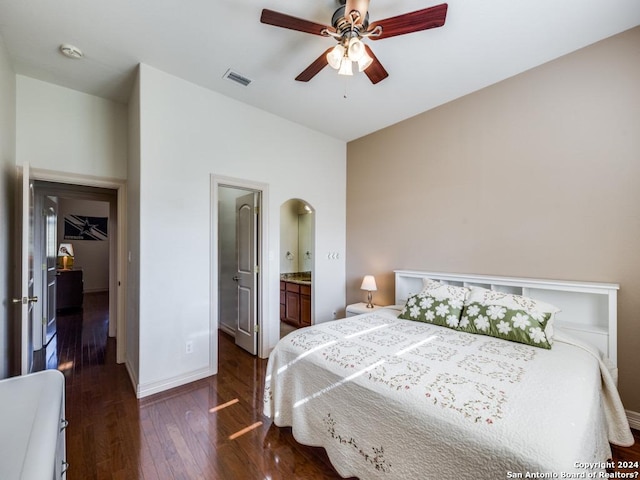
(209, 429)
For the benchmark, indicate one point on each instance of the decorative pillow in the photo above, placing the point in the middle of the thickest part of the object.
(427, 282)
(508, 316)
(437, 303)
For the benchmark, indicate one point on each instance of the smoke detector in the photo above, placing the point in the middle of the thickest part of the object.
(71, 51)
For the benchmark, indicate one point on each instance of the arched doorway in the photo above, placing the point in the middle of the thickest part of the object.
(297, 260)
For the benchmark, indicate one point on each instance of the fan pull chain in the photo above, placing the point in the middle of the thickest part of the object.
(346, 83)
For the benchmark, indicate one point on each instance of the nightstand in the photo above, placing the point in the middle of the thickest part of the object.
(358, 308)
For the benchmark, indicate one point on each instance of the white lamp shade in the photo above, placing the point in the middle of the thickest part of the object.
(345, 68)
(355, 50)
(335, 56)
(369, 283)
(65, 250)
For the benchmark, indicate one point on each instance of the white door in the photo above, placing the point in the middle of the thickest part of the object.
(50, 272)
(247, 272)
(25, 273)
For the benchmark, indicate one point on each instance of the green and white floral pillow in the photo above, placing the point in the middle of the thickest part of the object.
(437, 303)
(510, 317)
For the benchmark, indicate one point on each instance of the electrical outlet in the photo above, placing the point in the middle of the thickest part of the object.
(188, 347)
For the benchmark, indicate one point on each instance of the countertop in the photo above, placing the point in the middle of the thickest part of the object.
(302, 278)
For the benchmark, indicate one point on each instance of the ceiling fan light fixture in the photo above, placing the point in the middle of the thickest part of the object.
(349, 26)
(335, 56)
(346, 67)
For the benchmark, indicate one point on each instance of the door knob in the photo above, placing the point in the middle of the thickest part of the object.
(236, 278)
(25, 300)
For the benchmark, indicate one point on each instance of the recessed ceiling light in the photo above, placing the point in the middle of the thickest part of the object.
(71, 51)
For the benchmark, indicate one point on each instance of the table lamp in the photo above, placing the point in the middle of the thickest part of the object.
(369, 284)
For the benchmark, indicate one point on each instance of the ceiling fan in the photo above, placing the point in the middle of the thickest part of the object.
(350, 24)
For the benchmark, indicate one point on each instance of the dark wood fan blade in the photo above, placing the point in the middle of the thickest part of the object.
(375, 71)
(283, 20)
(313, 69)
(431, 17)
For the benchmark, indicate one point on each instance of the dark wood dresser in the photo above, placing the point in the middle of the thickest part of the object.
(69, 288)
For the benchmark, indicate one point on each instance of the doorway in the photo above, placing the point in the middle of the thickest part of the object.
(297, 259)
(229, 298)
(238, 264)
(111, 194)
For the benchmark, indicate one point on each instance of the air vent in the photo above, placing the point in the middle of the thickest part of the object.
(236, 77)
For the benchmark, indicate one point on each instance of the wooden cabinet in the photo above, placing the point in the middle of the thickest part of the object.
(292, 303)
(295, 303)
(69, 289)
(305, 305)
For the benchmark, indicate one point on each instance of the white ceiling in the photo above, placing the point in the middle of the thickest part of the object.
(481, 43)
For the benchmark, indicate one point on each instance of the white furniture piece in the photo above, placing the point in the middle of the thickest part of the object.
(32, 437)
(359, 308)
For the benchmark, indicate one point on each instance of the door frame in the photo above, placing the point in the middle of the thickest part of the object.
(117, 258)
(263, 304)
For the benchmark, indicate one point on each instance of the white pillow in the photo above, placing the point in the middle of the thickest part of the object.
(440, 291)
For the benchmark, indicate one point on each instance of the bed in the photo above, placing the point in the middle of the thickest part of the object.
(395, 398)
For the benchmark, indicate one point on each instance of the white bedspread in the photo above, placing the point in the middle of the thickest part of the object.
(390, 398)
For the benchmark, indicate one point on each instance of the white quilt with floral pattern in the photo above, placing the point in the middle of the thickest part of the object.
(396, 399)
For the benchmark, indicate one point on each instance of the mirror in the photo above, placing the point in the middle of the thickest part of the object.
(296, 237)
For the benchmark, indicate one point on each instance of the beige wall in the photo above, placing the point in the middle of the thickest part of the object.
(537, 176)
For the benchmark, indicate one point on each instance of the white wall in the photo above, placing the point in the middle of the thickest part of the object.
(67, 131)
(91, 256)
(188, 133)
(7, 175)
(179, 135)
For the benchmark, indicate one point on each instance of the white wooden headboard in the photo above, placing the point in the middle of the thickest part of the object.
(589, 311)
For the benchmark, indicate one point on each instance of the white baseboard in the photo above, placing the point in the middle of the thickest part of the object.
(157, 387)
(634, 419)
(227, 329)
(132, 375)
